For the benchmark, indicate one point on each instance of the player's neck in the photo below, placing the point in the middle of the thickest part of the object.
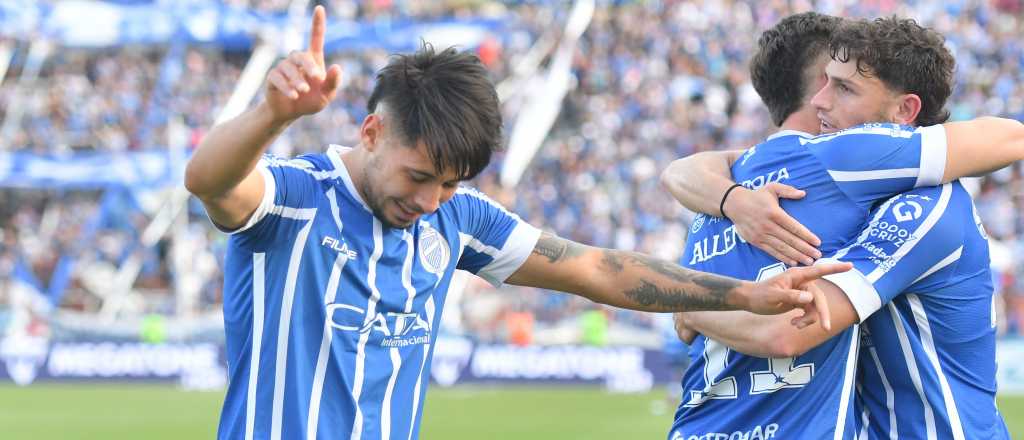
(803, 120)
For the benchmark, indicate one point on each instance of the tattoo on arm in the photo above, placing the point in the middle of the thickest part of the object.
(706, 292)
(556, 248)
(669, 288)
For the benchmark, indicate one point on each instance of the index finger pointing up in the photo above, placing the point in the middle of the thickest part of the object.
(316, 35)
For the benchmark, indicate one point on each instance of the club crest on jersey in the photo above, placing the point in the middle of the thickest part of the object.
(435, 254)
(698, 222)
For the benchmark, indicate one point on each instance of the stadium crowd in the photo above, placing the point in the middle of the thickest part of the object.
(654, 81)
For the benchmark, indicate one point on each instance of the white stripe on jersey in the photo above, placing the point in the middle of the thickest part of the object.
(426, 354)
(945, 262)
(933, 155)
(284, 324)
(925, 329)
(371, 311)
(477, 245)
(890, 397)
(396, 358)
(866, 232)
(334, 154)
(313, 418)
(258, 283)
(915, 375)
(858, 176)
(891, 130)
(848, 379)
(865, 422)
(920, 232)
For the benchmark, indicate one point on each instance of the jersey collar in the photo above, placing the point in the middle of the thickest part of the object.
(334, 152)
(782, 133)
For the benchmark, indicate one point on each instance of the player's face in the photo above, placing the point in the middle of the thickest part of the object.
(849, 98)
(403, 184)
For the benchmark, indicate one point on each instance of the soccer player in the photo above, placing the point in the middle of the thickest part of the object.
(784, 384)
(338, 263)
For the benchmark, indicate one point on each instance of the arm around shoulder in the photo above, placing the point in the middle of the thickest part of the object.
(982, 145)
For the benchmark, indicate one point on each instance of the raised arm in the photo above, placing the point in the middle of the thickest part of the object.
(700, 182)
(982, 145)
(635, 281)
(222, 171)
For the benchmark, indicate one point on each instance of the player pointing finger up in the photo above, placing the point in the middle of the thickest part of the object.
(299, 84)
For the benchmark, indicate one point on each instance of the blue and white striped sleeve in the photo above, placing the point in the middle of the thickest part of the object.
(872, 162)
(494, 243)
(289, 191)
(908, 238)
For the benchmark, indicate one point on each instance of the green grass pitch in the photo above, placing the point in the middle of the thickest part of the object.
(45, 411)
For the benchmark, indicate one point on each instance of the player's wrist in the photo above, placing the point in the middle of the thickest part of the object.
(728, 207)
(275, 120)
(741, 296)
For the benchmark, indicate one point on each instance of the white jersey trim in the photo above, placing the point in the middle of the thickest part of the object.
(284, 325)
(858, 289)
(915, 373)
(924, 328)
(890, 397)
(921, 231)
(848, 379)
(258, 295)
(934, 149)
(859, 176)
(517, 249)
(371, 310)
(320, 371)
(950, 259)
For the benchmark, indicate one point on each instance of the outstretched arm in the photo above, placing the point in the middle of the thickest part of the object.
(635, 281)
(222, 170)
(700, 182)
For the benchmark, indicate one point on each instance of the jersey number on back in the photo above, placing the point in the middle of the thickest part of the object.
(781, 372)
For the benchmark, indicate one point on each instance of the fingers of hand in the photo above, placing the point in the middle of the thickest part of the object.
(789, 255)
(279, 82)
(820, 306)
(805, 320)
(784, 191)
(307, 65)
(332, 79)
(804, 274)
(316, 34)
(802, 250)
(295, 78)
(800, 233)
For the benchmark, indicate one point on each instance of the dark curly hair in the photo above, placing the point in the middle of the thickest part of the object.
(447, 100)
(905, 56)
(778, 70)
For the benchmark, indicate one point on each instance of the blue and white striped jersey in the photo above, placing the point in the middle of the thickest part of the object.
(727, 394)
(330, 316)
(927, 365)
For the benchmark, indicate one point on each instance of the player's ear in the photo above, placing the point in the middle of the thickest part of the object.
(909, 106)
(372, 131)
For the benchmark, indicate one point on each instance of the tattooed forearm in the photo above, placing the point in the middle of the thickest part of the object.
(615, 261)
(556, 248)
(649, 294)
(700, 291)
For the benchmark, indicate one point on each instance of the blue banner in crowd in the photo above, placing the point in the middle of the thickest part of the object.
(91, 23)
(148, 169)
